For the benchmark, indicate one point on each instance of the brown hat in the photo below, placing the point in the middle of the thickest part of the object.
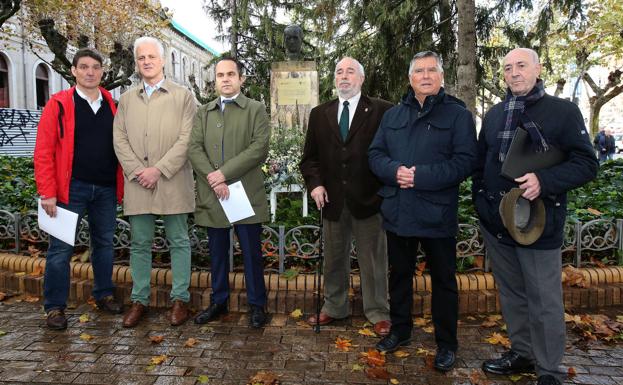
(524, 219)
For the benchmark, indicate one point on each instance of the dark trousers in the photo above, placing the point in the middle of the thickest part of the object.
(101, 204)
(250, 243)
(441, 261)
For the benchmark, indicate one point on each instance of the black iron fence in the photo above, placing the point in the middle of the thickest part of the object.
(595, 242)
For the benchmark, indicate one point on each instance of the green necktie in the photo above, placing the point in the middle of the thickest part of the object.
(344, 121)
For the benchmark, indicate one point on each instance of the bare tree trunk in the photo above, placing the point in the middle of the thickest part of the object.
(466, 68)
(447, 46)
(602, 95)
(233, 39)
(560, 85)
(593, 120)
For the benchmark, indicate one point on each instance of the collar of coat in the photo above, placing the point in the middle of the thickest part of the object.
(241, 101)
(410, 101)
(165, 86)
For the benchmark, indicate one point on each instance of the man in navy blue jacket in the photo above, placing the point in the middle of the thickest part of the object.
(424, 148)
(528, 277)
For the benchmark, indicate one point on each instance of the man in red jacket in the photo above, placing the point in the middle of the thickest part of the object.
(76, 169)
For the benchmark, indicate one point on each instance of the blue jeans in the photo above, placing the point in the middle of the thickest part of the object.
(101, 204)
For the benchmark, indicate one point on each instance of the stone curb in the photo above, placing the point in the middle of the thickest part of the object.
(477, 292)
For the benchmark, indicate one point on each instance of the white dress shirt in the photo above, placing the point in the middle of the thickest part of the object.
(96, 104)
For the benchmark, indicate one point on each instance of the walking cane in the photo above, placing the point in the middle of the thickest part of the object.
(319, 277)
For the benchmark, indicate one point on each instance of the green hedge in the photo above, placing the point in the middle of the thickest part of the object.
(603, 197)
(18, 192)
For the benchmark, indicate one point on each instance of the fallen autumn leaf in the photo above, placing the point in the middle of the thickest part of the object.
(156, 339)
(367, 332)
(423, 352)
(373, 358)
(498, 339)
(37, 272)
(158, 360)
(86, 337)
(343, 344)
(296, 313)
(264, 378)
(190, 342)
(420, 322)
(401, 354)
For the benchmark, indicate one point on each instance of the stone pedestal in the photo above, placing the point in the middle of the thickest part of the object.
(293, 93)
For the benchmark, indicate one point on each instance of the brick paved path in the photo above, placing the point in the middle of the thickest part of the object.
(228, 352)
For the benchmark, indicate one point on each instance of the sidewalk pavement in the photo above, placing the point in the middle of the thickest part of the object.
(227, 352)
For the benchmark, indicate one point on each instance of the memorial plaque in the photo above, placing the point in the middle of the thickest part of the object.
(293, 93)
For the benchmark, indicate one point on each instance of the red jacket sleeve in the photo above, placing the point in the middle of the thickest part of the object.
(45, 150)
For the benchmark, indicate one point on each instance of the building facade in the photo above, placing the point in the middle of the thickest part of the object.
(27, 81)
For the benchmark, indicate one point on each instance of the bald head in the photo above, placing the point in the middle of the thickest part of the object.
(521, 70)
(525, 51)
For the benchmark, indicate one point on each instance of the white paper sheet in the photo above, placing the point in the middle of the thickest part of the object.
(62, 226)
(238, 206)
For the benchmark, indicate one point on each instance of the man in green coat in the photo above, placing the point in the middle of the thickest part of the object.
(229, 143)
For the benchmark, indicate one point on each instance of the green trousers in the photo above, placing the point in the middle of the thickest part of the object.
(176, 229)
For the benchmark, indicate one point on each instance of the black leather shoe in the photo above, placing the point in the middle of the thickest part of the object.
(391, 343)
(109, 305)
(211, 313)
(257, 316)
(547, 380)
(444, 359)
(510, 363)
(56, 320)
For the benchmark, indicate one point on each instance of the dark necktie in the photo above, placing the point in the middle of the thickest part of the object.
(344, 121)
(225, 102)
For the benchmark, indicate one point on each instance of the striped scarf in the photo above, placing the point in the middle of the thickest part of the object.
(515, 116)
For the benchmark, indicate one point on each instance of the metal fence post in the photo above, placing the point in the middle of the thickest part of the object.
(578, 244)
(620, 235)
(282, 248)
(18, 218)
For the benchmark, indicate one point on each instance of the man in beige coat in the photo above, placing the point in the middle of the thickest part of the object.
(151, 133)
(229, 143)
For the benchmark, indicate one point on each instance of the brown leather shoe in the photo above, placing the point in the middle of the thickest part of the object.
(56, 320)
(179, 313)
(325, 319)
(382, 328)
(131, 318)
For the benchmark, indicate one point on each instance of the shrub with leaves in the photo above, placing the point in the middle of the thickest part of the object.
(18, 192)
(600, 198)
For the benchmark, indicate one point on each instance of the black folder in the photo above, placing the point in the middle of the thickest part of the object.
(521, 158)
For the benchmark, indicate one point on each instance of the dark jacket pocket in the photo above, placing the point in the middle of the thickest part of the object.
(389, 205)
(431, 211)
